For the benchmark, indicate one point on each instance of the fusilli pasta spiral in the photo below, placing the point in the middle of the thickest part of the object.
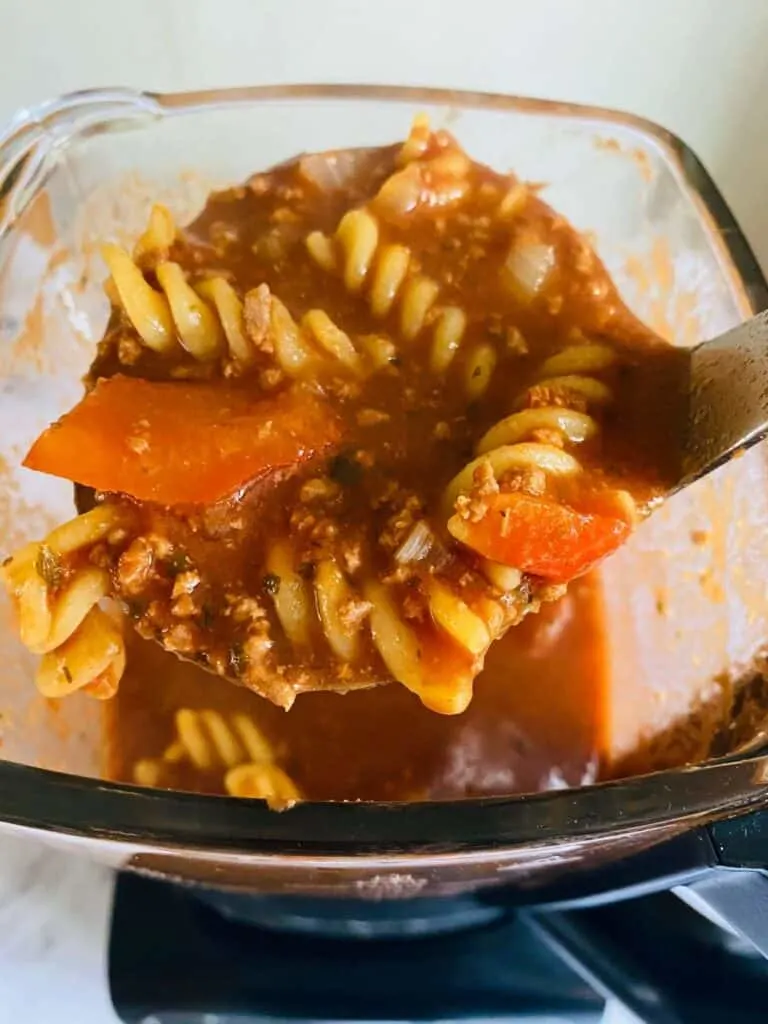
(208, 319)
(417, 143)
(384, 270)
(402, 649)
(535, 435)
(232, 744)
(329, 606)
(264, 780)
(205, 320)
(56, 592)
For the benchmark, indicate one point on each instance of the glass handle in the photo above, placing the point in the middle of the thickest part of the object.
(734, 894)
(736, 900)
(35, 140)
(741, 842)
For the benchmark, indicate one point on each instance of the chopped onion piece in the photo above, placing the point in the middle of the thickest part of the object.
(528, 266)
(416, 545)
(401, 193)
(335, 168)
(417, 187)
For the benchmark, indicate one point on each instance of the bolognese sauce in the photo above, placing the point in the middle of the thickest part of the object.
(363, 415)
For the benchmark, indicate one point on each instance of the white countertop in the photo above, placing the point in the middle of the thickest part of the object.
(696, 66)
(54, 924)
(54, 915)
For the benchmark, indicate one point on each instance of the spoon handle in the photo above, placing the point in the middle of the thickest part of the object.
(728, 398)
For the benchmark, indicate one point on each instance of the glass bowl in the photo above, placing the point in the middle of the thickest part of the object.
(86, 167)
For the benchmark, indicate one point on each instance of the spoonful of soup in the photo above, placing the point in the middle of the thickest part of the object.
(356, 421)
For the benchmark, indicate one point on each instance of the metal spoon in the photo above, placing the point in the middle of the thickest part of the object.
(728, 399)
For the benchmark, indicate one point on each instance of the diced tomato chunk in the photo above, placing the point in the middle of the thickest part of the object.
(541, 536)
(180, 442)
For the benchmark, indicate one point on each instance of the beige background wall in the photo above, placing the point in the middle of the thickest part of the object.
(698, 66)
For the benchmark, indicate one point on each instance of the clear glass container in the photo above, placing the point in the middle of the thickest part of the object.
(85, 168)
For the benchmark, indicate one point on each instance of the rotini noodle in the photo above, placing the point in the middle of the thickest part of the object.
(303, 350)
(363, 260)
(210, 740)
(575, 426)
(301, 612)
(322, 250)
(358, 238)
(306, 609)
(521, 456)
(197, 325)
(379, 350)
(148, 771)
(57, 604)
(332, 594)
(203, 319)
(207, 319)
(332, 339)
(301, 607)
(458, 619)
(229, 310)
(565, 376)
(417, 143)
(391, 271)
(400, 651)
(294, 355)
(417, 297)
(505, 577)
(91, 659)
(592, 391)
(158, 237)
(233, 744)
(437, 177)
(293, 600)
(579, 359)
(393, 638)
(263, 781)
(146, 308)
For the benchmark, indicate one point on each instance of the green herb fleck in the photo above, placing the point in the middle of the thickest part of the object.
(236, 659)
(48, 567)
(271, 584)
(67, 673)
(135, 608)
(178, 562)
(345, 470)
